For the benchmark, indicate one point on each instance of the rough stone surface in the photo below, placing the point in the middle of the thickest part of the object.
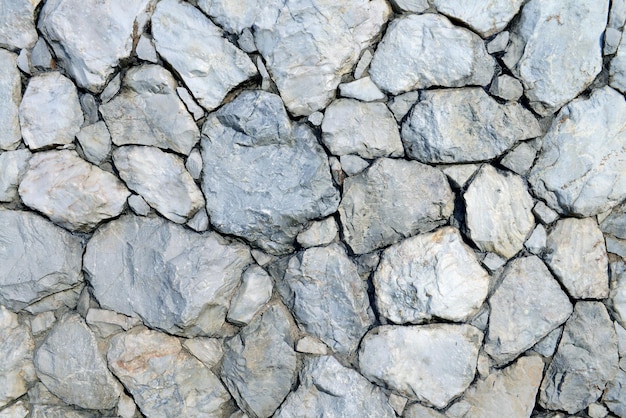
(536, 242)
(520, 159)
(70, 191)
(487, 18)
(208, 350)
(13, 165)
(95, 141)
(430, 275)
(617, 295)
(391, 200)
(464, 125)
(544, 213)
(362, 89)
(615, 394)
(318, 233)
(420, 51)
(192, 276)
(11, 93)
(17, 20)
(429, 363)
(507, 88)
(352, 164)
(254, 292)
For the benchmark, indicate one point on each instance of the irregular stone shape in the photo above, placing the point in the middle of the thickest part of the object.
(577, 256)
(615, 223)
(311, 345)
(520, 159)
(322, 288)
(17, 20)
(487, 17)
(507, 88)
(38, 259)
(544, 213)
(417, 410)
(181, 281)
(430, 275)
(105, 323)
(460, 174)
(580, 168)
(365, 129)
(164, 379)
(318, 233)
(327, 389)
(585, 361)
(254, 292)
(55, 411)
(13, 165)
(70, 191)
(362, 89)
(464, 125)
(149, 112)
(536, 242)
(419, 51)
(208, 350)
(259, 366)
(145, 50)
(16, 350)
(264, 177)
(498, 211)
(528, 304)
(50, 113)
(17, 410)
(617, 69)
(90, 37)
(617, 295)
(391, 200)
(429, 363)
(149, 172)
(547, 346)
(615, 394)
(416, 6)
(209, 65)
(351, 164)
(79, 376)
(11, 93)
(95, 141)
(553, 78)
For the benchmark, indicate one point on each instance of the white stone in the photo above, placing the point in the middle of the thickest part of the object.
(460, 174)
(194, 164)
(520, 159)
(316, 118)
(254, 292)
(246, 40)
(145, 50)
(506, 87)
(362, 89)
(415, 6)
(318, 233)
(401, 104)
(17, 20)
(200, 221)
(11, 93)
(95, 141)
(485, 17)
(544, 213)
(536, 242)
(363, 64)
(311, 345)
(111, 89)
(13, 165)
(196, 111)
(138, 205)
(208, 350)
(498, 43)
(617, 295)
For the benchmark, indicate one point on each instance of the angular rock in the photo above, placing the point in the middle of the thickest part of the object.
(78, 375)
(145, 50)
(149, 112)
(415, 6)
(200, 221)
(351, 164)
(401, 105)
(311, 345)
(259, 366)
(429, 363)
(112, 88)
(614, 229)
(427, 50)
(138, 205)
(487, 18)
(11, 93)
(196, 111)
(264, 177)
(430, 275)
(545, 215)
(208, 350)
(552, 79)
(209, 65)
(13, 165)
(520, 159)
(528, 304)
(70, 191)
(38, 259)
(254, 292)
(536, 242)
(617, 295)
(507, 88)
(53, 411)
(181, 281)
(318, 233)
(464, 125)
(391, 200)
(366, 129)
(460, 174)
(322, 288)
(547, 346)
(577, 256)
(164, 379)
(18, 410)
(41, 59)
(90, 37)
(615, 394)
(617, 69)
(585, 361)
(362, 89)
(149, 172)
(327, 389)
(95, 140)
(17, 20)
(50, 113)
(417, 410)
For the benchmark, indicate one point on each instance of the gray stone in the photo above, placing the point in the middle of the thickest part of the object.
(318, 233)
(78, 376)
(17, 410)
(415, 6)
(105, 323)
(95, 140)
(149, 112)
(615, 395)
(13, 165)
(39, 259)
(621, 339)
(11, 93)
(266, 80)
(552, 79)
(193, 164)
(16, 350)
(327, 389)
(76, 29)
(498, 211)
(352, 164)
(50, 113)
(40, 57)
(493, 261)
(322, 288)
(70, 191)
(460, 174)
(577, 256)
(149, 171)
(506, 87)
(526, 306)
(547, 346)
(145, 50)
(200, 221)
(196, 111)
(544, 213)
(138, 205)
(246, 41)
(617, 295)
(398, 403)
(498, 43)
(65, 299)
(464, 125)
(17, 20)
(316, 118)
(42, 322)
(53, 411)
(164, 379)
(617, 69)
(430, 275)
(429, 363)
(23, 61)
(585, 361)
(617, 15)
(363, 64)
(596, 410)
(311, 345)
(259, 366)
(536, 242)
(191, 275)
(362, 89)
(615, 222)
(209, 65)
(264, 177)
(208, 350)
(520, 159)
(126, 407)
(90, 108)
(427, 50)
(401, 104)
(612, 40)
(392, 200)
(486, 18)
(255, 291)
(417, 410)
(366, 129)
(111, 89)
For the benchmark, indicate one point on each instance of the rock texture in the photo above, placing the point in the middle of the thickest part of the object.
(486, 18)
(17, 19)
(11, 93)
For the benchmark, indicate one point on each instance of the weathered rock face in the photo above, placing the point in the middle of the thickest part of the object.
(391, 200)
(486, 18)
(70, 191)
(11, 93)
(254, 292)
(617, 295)
(95, 141)
(17, 20)
(164, 379)
(38, 259)
(190, 276)
(420, 51)
(464, 125)
(77, 28)
(263, 176)
(584, 154)
(13, 165)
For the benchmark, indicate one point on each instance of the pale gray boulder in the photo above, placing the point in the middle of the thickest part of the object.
(255, 291)
(520, 159)
(318, 233)
(11, 93)
(95, 141)
(507, 87)
(615, 395)
(486, 17)
(362, 89)
(13, 165)
(17, 20)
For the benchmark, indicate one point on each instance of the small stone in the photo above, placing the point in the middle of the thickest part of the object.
(126, 407)
(351, 164)
(617, 295)
(596, 410)
(265, 84)
(481, 319)
(506, 87)
(493, 261)
(547, 346)
(42, 322)
(498, 43)
(40, 57)
(145, 50)
(262, 258)
(362, 89)
(106, 323)
(612, 38)
(196, 111)
(65, 299)
(415, 6)
(621, 338)
(417, 410)
(13, 165)
(617, 69)
(112, 88)
(208, 350)
(253, 293)
(363, 64)
(397, 403)
(50, 113)
(316, 118)
(194, 164)
(139, 205)
(318, 233)
(246, 41)
(520, 159)
(200, 221)
(23, 62)
(335, 170)
(95, 141)
(544, 213)
(487, 18)
(18, 410)
(615, 394)
(460, 174)
(90, 108)
(311, 345)
(536, 242)
(401, 104)
(17, 18)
